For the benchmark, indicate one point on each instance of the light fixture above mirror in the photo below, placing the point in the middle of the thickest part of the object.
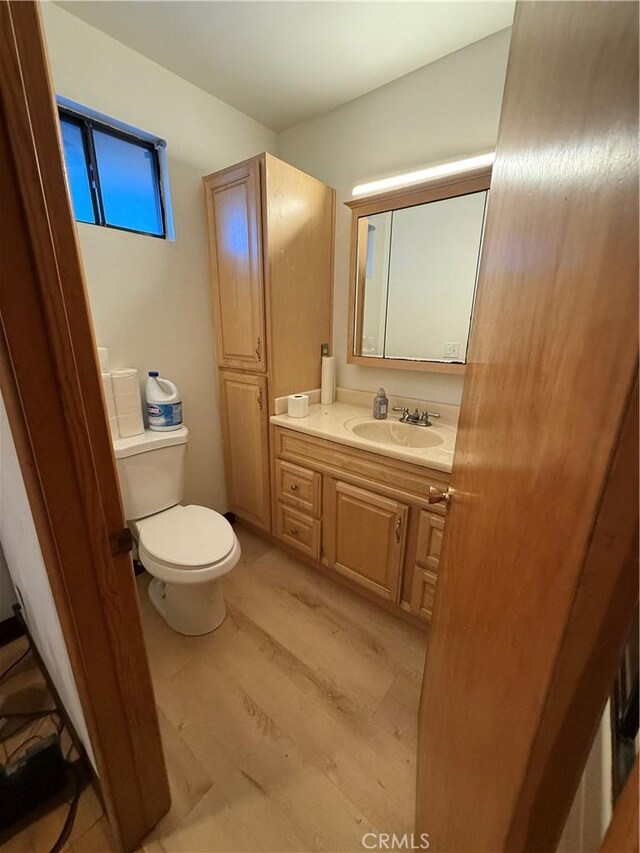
(430, 173)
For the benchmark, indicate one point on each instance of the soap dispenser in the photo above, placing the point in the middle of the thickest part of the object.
(380, 405)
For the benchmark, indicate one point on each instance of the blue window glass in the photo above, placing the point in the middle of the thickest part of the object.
(114, 174)
(75, 157)
(128, 183)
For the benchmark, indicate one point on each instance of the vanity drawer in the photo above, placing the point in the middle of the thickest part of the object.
(429, 543)
(424, 593)
(298, 530)
(299, 487)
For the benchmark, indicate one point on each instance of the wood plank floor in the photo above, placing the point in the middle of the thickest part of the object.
(291, 727)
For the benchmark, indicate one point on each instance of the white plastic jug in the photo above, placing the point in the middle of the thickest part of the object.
(164, 406)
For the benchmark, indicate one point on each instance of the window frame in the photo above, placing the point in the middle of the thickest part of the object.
(87, 124)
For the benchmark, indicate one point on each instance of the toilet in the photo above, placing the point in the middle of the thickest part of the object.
(187, 549)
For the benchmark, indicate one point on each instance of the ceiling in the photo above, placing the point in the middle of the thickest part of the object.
(283, 62)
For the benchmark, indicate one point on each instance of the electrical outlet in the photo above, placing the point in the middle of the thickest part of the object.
(452, 349)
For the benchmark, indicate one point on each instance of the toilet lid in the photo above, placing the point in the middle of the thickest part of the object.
(190, 536)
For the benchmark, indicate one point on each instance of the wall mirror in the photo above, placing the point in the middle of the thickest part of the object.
(414, 265)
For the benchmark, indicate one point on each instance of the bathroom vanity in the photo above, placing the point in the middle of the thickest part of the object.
(364, 507)
(356, 496)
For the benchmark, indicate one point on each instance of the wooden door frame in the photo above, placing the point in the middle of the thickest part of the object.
(51, 386)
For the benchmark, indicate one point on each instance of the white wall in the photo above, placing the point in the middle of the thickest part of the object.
(446, 109)
(150, 298)
(591, 811)
(7, 595)
(29, 576)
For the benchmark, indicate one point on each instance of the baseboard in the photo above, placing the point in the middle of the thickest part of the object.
(10, 630)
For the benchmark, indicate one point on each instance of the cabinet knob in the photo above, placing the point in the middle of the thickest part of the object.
(258, 349)
(260, 397)
(439, 496)
(295, 487)
(398, 527)
(293, 531)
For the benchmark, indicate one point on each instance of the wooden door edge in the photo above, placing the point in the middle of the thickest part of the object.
(68, 508)
(589, 652)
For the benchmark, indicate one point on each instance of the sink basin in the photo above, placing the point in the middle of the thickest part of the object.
(396, 434)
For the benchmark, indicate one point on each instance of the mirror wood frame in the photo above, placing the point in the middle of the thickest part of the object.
(451, 186)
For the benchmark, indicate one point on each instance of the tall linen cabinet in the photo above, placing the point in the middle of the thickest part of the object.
(271, 232)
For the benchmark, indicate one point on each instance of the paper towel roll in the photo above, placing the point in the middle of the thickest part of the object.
(328, 382)
(107, 387)
(103, 358)
(298, 405)
(126, 395)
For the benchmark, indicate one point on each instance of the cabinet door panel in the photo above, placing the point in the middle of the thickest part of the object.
(365, 538)
(233, 211)
(425, 573)
(424, 593)
(246, 445)
(429, 540)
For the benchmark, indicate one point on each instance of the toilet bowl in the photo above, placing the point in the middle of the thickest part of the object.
(187, 549)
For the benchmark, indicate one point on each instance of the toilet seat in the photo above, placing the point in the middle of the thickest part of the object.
(187, 545)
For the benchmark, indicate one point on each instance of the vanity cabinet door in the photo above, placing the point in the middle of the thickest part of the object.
(245, 437)
(365, 536)
(425, 574)
(235, 248)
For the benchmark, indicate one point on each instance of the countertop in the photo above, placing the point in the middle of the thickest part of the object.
(331, 422)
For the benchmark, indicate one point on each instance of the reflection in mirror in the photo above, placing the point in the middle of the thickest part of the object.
(376, 276)
(416, 276)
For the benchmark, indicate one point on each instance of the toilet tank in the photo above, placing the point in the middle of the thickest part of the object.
(151, 471)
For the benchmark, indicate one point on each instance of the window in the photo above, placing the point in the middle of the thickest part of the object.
(115, 173)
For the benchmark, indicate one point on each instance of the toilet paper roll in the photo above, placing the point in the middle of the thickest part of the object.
(129, 414)
(110, 404)
(298, 405)
(129, 425)
(125, 381)
(126, 395)
(103, 359)
(127, 404)
(107, 387)
(328, 382)
(114, 429)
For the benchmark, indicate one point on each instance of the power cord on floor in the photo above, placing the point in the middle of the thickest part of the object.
(15, 663)
(65, 832)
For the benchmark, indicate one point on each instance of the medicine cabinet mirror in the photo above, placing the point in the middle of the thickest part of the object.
(414, 265)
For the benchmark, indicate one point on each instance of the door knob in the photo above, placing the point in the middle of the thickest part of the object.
(438, 496)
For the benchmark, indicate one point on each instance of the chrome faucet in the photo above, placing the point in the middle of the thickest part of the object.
(417, 418)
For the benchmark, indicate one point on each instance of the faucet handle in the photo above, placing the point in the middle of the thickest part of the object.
(405, 413)
(426, 416)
